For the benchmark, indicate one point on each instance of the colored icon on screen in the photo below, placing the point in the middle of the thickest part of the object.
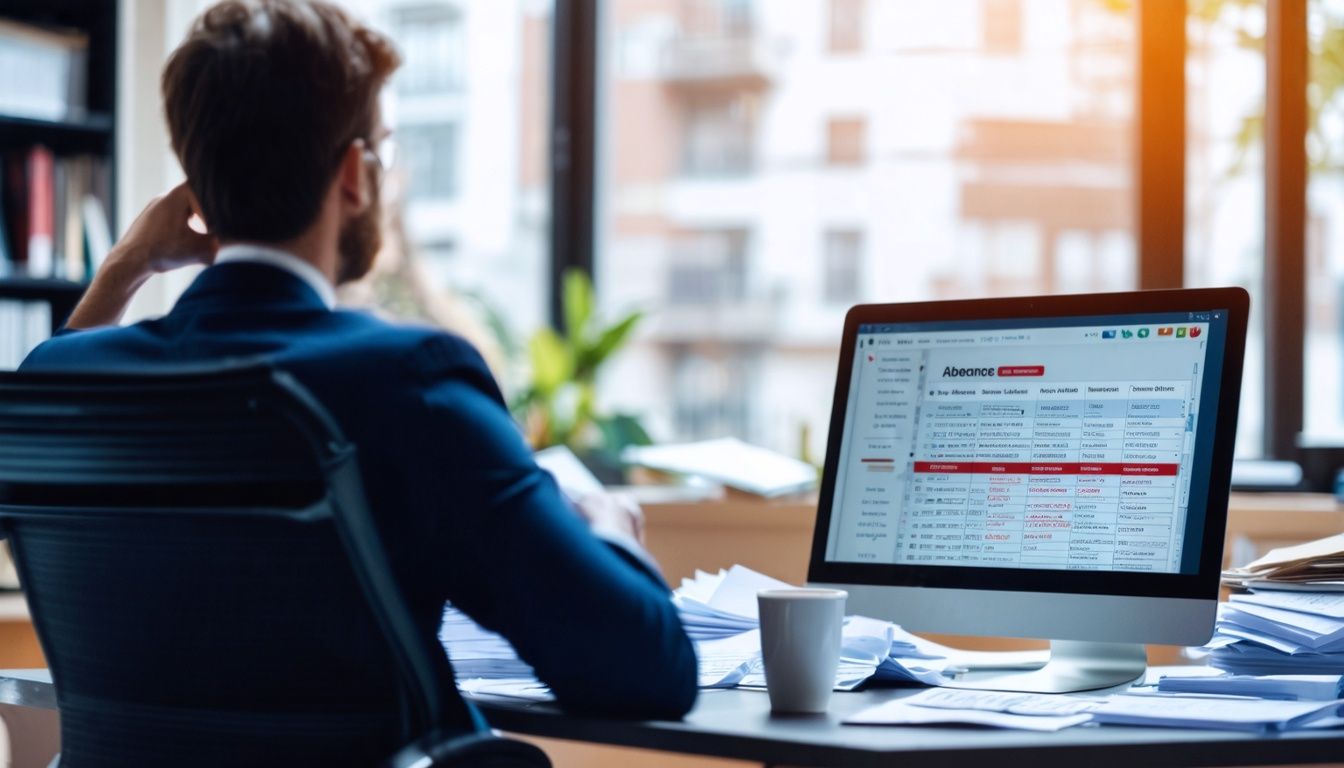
(1164, 331)
(1108, 334)
(1143, 333)
(1195, 331)
(1180, 333)
(1126, 334)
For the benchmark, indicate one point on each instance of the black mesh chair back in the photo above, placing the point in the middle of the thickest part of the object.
(206, 580)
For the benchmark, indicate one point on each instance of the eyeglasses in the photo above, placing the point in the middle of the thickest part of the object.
(384, 151)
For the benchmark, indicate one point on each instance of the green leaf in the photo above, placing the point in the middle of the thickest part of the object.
(608, 342)
(578, 295)
(552, 362)
(620, 431)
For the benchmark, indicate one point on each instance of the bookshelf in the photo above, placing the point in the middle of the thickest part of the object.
(57, 144)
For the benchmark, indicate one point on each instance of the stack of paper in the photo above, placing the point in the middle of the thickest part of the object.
(478, 653)
(1292, 619)
(722, 604)
(1052, 712)
(1317, 566)
(1221, 713)
(1288, 687)
(1269, 632)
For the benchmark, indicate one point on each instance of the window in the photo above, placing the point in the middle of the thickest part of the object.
(1224, 221)
(1324, 394)
(845, 141)
(844, 262)
(471, 124)
(846, 19)
(433, 49)
(432, 147)
(1003, 26)
(720, 212)
(710, 394)
(719, 136)
(708, 269)
(715, 19)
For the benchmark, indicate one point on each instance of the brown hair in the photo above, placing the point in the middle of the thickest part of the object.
(262, 99)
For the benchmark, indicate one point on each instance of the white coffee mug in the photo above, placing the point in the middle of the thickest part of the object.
(800, 644)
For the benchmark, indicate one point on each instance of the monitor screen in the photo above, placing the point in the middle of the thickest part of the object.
(1055, 443)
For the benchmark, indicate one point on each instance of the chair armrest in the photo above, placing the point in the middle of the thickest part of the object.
(483, 750)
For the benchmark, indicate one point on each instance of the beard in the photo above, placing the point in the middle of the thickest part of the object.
(360, 239)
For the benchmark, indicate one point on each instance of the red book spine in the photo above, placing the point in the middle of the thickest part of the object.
(41, 211)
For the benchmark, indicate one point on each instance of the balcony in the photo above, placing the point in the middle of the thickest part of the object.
(733, 62)
(747, 320)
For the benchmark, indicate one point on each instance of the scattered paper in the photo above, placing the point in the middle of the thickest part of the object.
(899, 712)
(574, 479)
(527, 688)
(724, 662)
(1000, 701)
(731, 462)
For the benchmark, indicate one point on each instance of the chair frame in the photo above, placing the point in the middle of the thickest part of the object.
(438, 715)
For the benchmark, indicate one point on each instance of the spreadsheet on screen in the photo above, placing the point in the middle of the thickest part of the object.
(1057, 446)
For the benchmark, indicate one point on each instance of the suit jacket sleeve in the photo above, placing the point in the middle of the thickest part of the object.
(597, 626)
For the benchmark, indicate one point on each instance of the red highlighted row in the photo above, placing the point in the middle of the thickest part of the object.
(1044, 468)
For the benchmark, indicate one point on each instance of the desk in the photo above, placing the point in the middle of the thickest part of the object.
(28, 715)
(18, 642)
(738, 724)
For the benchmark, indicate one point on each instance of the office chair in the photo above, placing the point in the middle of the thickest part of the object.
(207, 583)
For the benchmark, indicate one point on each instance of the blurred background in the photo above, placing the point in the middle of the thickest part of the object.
(734, 174)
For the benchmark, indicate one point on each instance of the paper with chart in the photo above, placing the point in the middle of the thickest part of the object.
(1021, 711)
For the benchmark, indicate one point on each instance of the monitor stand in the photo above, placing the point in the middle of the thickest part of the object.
(1074, 666)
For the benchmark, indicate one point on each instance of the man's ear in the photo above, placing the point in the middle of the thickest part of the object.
(197, 219)
(351, 179)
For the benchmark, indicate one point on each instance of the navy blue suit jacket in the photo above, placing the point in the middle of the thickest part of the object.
(464, 510)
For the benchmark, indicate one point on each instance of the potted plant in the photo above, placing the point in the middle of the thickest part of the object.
(558, 405)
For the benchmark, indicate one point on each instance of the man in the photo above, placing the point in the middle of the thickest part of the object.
(272, 111)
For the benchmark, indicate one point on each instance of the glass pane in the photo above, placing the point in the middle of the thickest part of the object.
(1325, 224)
(468, 197)
(1225, 108)
(768, 164)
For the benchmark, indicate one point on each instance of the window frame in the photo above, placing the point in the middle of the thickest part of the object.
(1159, 224)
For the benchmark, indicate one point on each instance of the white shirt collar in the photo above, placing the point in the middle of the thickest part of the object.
(258, 254)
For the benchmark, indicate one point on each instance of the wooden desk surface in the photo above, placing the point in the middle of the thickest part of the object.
(13, 608)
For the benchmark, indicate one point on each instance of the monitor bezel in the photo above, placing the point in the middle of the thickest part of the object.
(1203, 584)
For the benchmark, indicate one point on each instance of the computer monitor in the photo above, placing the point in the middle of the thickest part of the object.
(1052, 467)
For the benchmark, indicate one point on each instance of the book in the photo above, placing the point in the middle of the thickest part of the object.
(41, 212)
(70, 220)
(46, 71)
(15, 212)
(6, 254)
